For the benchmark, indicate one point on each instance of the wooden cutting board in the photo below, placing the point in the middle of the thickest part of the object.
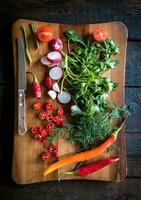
(27, 164)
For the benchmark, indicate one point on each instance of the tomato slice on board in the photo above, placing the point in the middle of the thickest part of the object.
(44, 33)
(100, 34)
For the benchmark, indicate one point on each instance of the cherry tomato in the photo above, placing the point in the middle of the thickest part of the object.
(56, 118)
(49, 106)
(42, 115)
(60, 112)
(53, 149)
(46, 155)
(60, 122)
(49, 116)
(44, 33)
(37, 106)
(100, 34)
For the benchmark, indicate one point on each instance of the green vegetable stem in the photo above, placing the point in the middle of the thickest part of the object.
(26, 45)
(32, 26)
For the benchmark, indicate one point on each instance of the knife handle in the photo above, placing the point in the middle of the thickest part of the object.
(21, 113)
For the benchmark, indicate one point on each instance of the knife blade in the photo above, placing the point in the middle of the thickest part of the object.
(22, 86)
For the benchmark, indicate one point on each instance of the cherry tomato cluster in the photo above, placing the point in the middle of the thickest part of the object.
(53, 118)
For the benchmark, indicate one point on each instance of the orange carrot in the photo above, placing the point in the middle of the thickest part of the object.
(83, 156)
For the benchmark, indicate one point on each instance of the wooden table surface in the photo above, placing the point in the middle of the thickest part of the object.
(73, 11)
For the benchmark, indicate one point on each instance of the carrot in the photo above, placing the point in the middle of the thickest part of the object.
(87, 155)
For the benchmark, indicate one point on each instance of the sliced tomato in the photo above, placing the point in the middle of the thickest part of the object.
(100, 34)
(44, 33)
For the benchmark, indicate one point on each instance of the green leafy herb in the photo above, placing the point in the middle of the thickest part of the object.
(90, 131)
(83, 72)
(72, 35)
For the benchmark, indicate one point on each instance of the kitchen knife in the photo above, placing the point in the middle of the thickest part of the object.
(22, 86)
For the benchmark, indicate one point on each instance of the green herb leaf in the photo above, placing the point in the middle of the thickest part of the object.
(72, 35)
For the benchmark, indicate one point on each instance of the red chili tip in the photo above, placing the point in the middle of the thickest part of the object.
(37, 106)
(53, 149)
(60, 112)
(42, 115)
(44, 132)
(115, 158)
(45, 155)
(49, 106)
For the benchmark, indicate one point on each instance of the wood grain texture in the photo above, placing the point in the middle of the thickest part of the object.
(24, 145)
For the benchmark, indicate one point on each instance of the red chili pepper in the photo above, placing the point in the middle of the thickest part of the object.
(46, 155)
(50, 125)
(56, 118)
(50, 132)
(49, 106)
(44, 132)
(37, 137)
(93, 167)
(60, 112)
(60, 123)
(37, 106)
(36, 130)
(53, 149)
(43, 140)
(48, 83)
(49, 116)
(42, 115)
(36, 86)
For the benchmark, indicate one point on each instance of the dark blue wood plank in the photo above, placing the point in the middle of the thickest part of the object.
(134, 168)
(127, 11)
(133, 64)
(133, 99)
(133, 146)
